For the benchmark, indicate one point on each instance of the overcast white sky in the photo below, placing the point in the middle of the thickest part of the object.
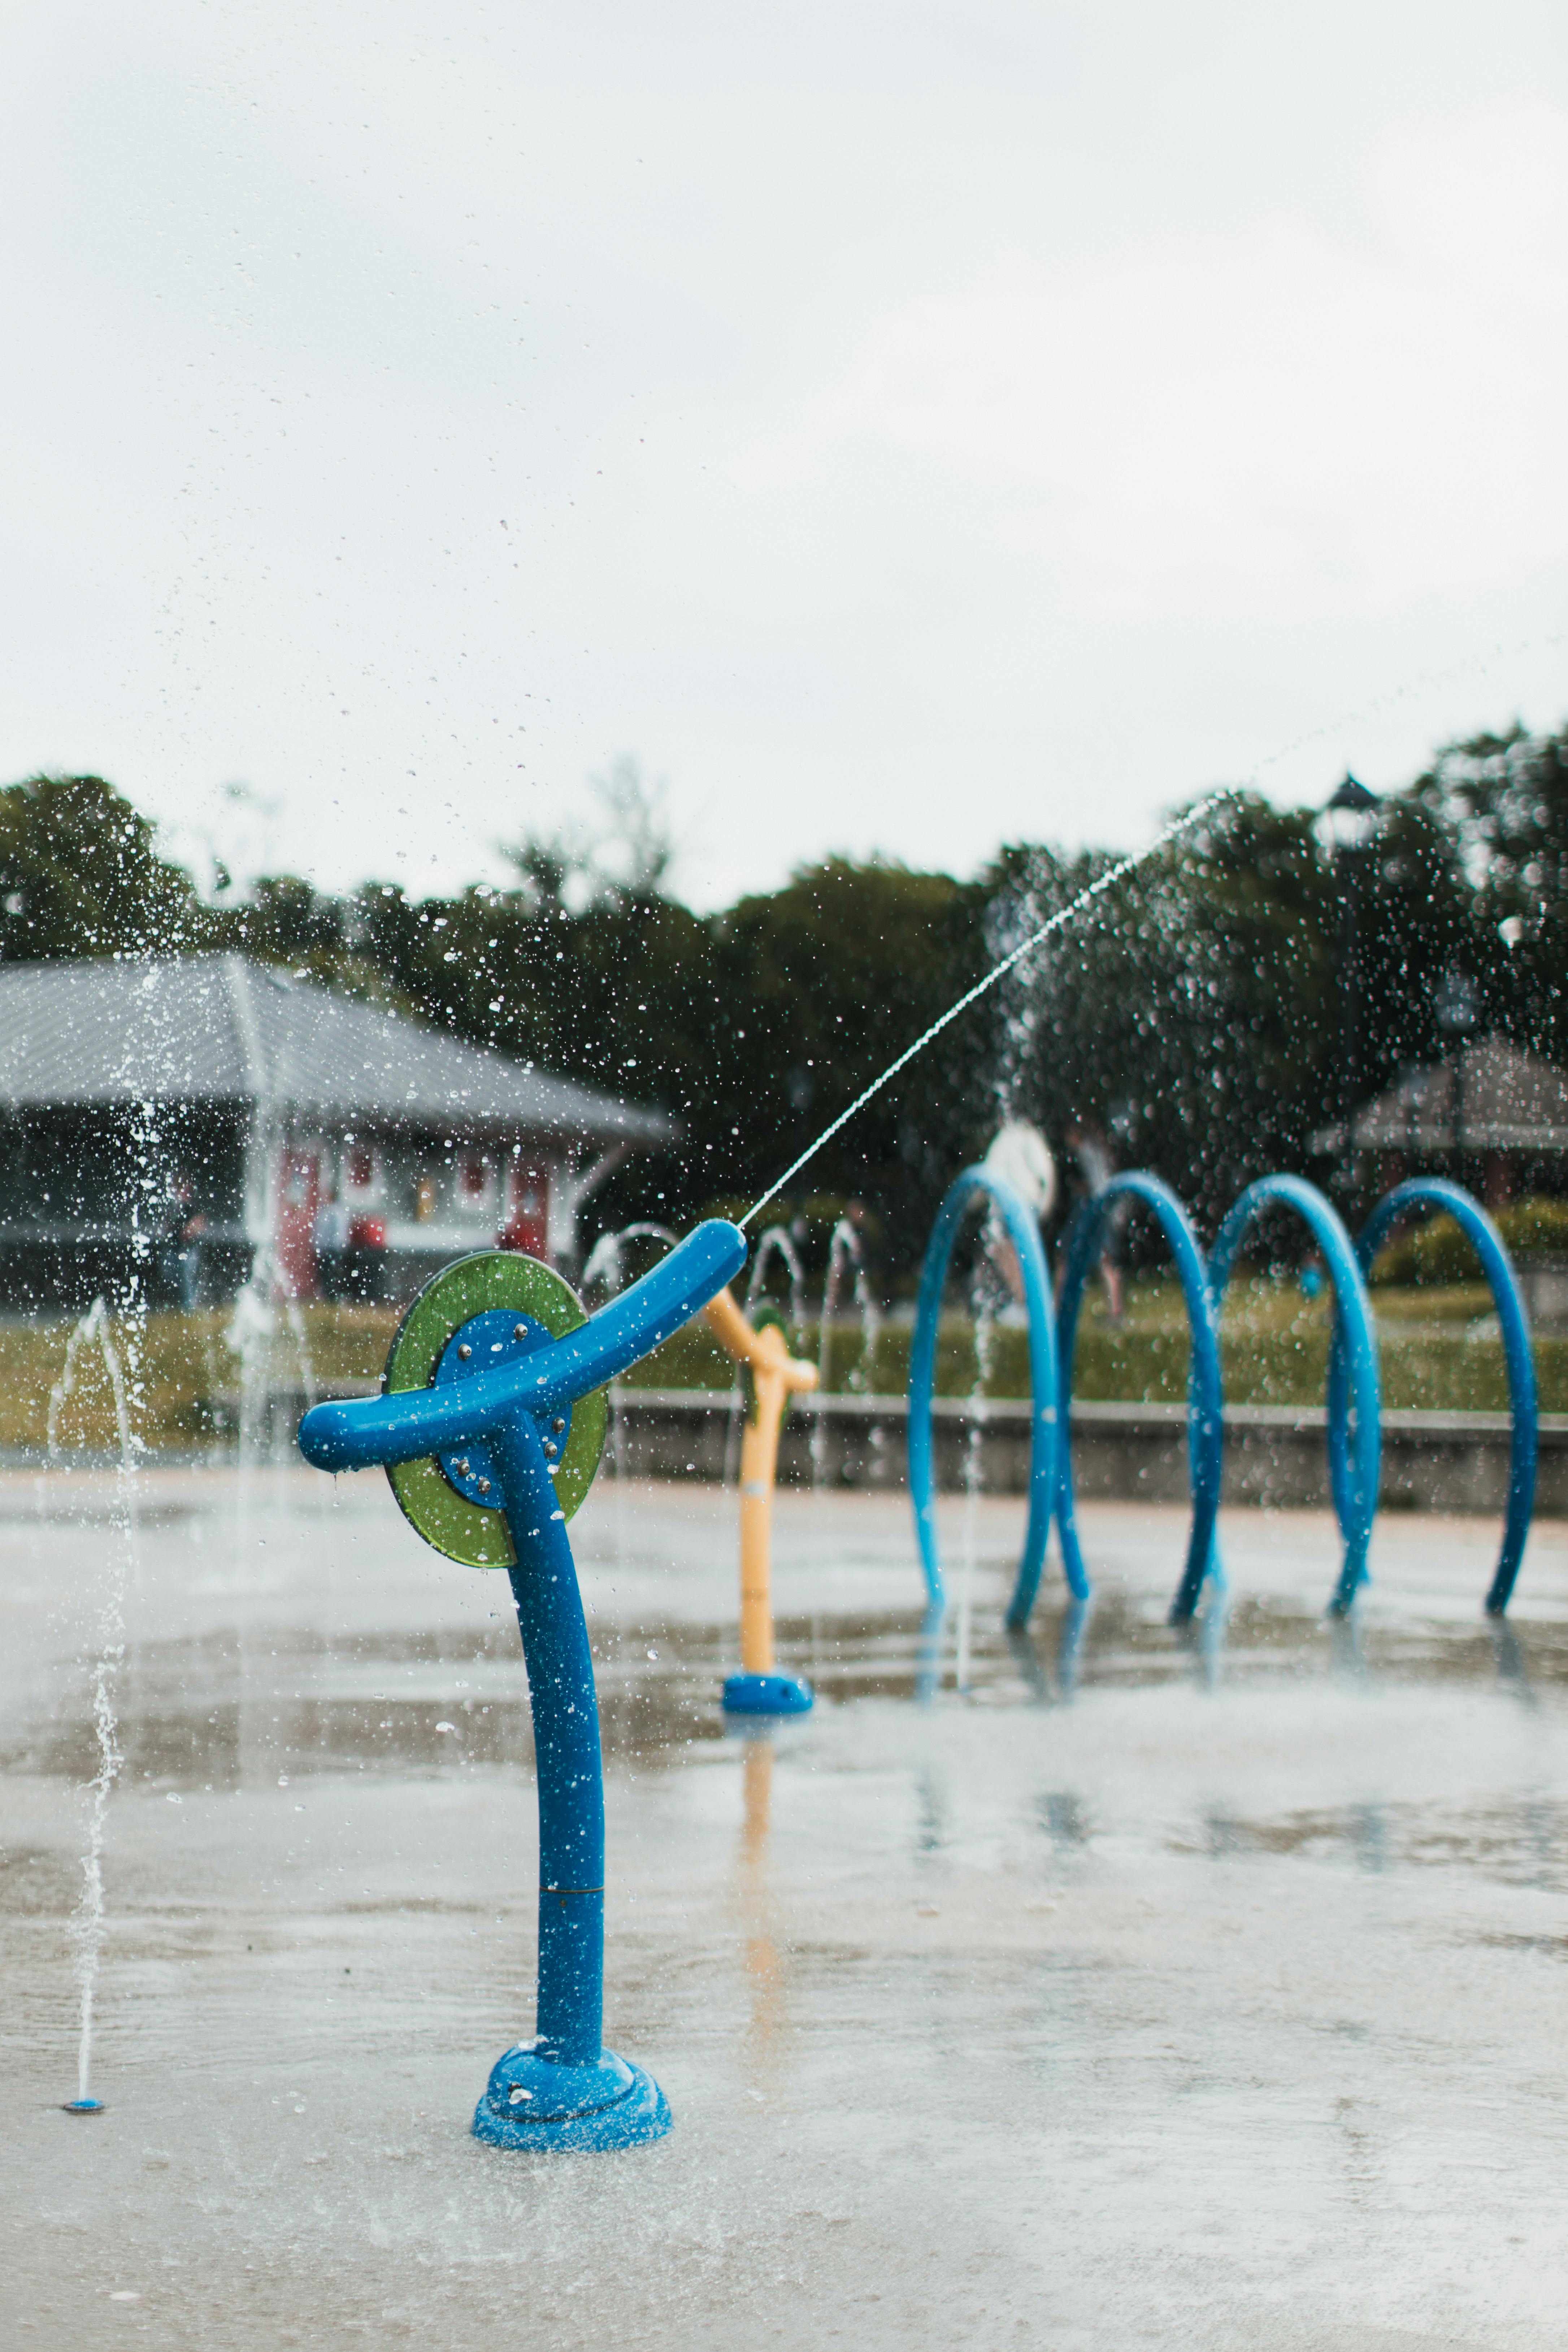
(903, 427)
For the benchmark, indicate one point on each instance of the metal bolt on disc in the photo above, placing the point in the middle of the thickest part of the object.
(480, 1284)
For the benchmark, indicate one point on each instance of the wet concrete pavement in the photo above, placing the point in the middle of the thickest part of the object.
(1203, 1992)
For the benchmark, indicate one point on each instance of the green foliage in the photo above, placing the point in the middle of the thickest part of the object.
(79, 875)
(1194, 1010)
(820, 985)
(1503, 800)
(754, 1027)
(1535, 1229)
(1438, 1252)
(1191, 1011)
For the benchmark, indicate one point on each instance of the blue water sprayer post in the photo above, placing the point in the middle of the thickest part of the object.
(490, 1432)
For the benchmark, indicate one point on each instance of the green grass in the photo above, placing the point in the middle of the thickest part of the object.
(182, 1375)
(1436, 1353)
(1275, 1348)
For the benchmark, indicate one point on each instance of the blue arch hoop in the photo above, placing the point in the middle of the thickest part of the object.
(1354, 1455)
(1024, 1233)
(1205, 1401)
(1438, 1192)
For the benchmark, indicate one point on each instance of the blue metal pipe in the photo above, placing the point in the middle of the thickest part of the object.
(1438, 1192)
(1206, 1423)
(1353, 1456)
(975, 1183)
(569, 2017)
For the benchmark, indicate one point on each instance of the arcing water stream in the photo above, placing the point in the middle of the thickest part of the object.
(1130, 865)
(1106, 881)
(1064, 915)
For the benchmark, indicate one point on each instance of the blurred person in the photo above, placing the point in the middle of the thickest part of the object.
(1088, 1146)
(1022, 1158)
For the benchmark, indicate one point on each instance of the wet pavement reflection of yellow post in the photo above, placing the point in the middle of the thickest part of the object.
(763, 1962)
(776, 1375)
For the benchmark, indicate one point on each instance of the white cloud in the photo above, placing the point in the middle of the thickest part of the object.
(1271, 413)
(908, 429)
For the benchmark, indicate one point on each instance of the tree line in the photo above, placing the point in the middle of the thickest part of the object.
(1191, 1011)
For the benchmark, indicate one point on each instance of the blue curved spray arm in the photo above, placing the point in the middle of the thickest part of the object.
(356, 1433)
(506, 1407)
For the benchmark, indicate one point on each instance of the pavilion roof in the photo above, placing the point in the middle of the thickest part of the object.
(1506, 1100)
(219, 1029)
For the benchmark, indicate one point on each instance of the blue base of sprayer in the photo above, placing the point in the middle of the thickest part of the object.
(531, 2102)
(767, 1694)
(82, 2106)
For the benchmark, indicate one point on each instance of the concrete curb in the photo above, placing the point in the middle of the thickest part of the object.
(1274, 1456)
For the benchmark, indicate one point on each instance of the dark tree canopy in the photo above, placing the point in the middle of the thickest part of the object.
(1192, 1010)
(79, 875)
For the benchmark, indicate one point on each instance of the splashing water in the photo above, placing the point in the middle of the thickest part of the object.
(294, 1317)
(269, 1285)
(250, 1334)
(973, 1466)
(776, 1242)
(606, 1259)
(1015, 913)
(845, 1253)
(94, 1330)
(606, 1263)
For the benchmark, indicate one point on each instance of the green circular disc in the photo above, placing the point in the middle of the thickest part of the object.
(469, 1286)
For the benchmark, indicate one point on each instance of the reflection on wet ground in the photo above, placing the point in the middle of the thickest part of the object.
(1195, 1988)
(195, 1708)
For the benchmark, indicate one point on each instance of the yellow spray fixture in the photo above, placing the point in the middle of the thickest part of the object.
(776, 1375)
